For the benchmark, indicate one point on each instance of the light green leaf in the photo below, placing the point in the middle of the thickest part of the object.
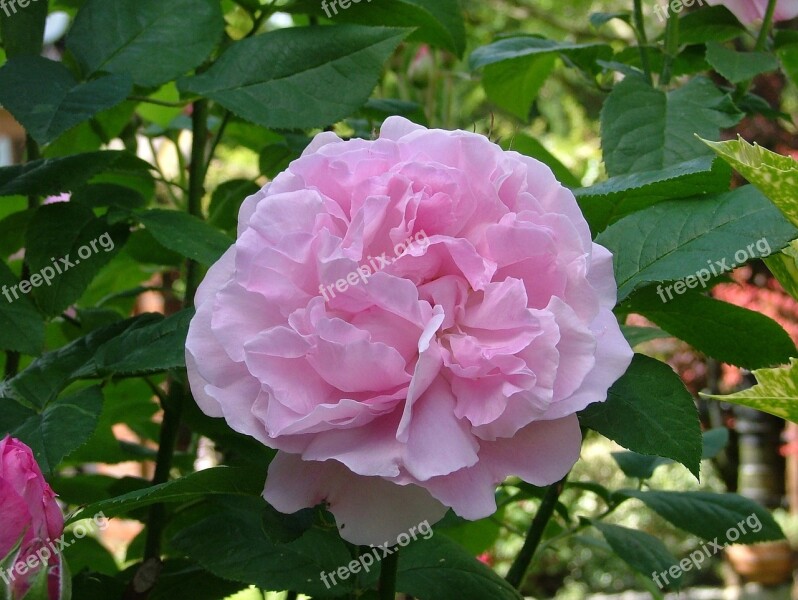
(647, 129)
(611, 200)
(776, 392)
(152, 41)
(695, 238)
(333, 69)
(186, 235)
(513, 86)
(775, 175)
(649, 411)
(739, 66)
(47, 100)
(729, 333)
(712, 516)
(784, 267)
(530, 146)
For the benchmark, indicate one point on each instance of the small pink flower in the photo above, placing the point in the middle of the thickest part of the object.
(65, 197)
(30, 516)
(462, 360)
(751, 11)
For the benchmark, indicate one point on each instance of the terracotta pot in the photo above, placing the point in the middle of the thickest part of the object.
(768, 563)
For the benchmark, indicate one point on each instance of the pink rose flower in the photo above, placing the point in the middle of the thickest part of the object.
(421, 385)
(751, 11)
(30, 517)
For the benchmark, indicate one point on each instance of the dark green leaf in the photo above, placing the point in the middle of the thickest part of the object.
(56, 175)
(152, 41)
(21, 325)
(715, 441)
(66, 247)
(681, 239)
(59, 429)
(731, 334)
(47, 100)
(712, 516)
(186, 235)
(646, 129)
(649, 411)
(739, 66)
(711, 23)
(640, 466)
(336, 68)
(157, 345)
(605, 203)
(640, 335)
(523, 51)
(214, 481)
(641, 551)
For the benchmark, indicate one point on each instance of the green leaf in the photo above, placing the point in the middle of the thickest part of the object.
(58, 430)
(231, 543)
(647, 129)
(643, 552)
(334, 69)
(157, 345)
(152, 41)
(185, 234)
(697, 239)
(47, 100)
(21, 325)
(514, 87)
(184, 579)
(649, 411)
(55, 175)
(22, 29)
(788, 55)
(776, 392)
(523, 52)
(729, 333)
(46, 376)
(774, 175)
(609, 201)
(226, 202)
(739, 66)
(529, 146)
(715, 440)
(711, 23)
(437, 22)
(213, 481)
(66, 246)
(440, 569)
(639, 466)
(640, 335)
(712, 516)
(784, 267)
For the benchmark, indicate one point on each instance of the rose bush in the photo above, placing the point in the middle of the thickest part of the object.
(30, 517)
(750, 11)
(462, 361)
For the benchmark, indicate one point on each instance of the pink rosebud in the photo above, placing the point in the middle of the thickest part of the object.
(31, 519)
(408, 321)
(751, 11)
